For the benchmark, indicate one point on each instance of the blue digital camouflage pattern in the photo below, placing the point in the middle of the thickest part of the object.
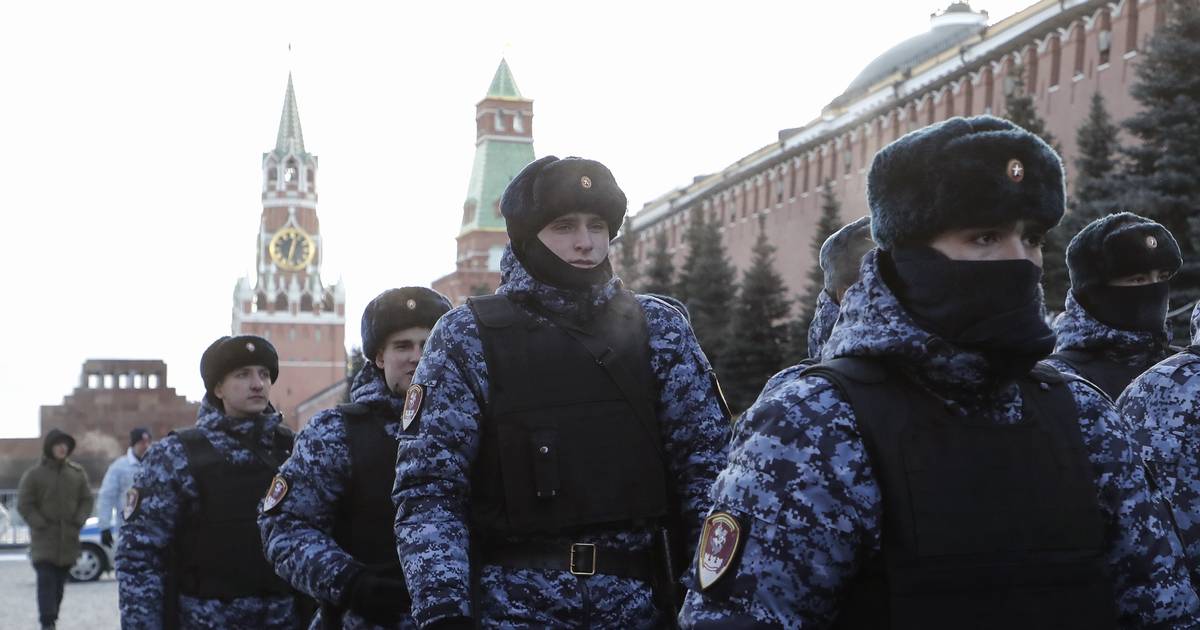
(800, 480)
(825, 315)
(298, 534)
(1163, 407)
(1076, 329)
(168, 494)
(433, 469)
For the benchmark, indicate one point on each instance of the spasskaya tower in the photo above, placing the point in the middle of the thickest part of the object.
(288, 303)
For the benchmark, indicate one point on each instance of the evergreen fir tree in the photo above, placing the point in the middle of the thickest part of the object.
(758, 330)
(706, 286)
(830, 222)
(1019, 108)
(1093, 195)
(660, 275)
(1159, 179)
(354, 363)
(629, 272)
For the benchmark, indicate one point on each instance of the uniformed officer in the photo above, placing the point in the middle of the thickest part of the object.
(328, 530)
(1163, 407)
(190, 554)
(840, 257)
(558, 426)
(1115, 323)
(927, 475)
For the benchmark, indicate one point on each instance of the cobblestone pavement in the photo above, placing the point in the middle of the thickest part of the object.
(86, 606)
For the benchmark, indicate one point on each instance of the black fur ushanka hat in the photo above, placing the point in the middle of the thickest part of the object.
(397, 309)
(549, 187)
(842, 253)
(961, 173)
(230, 353)
(1119, 245)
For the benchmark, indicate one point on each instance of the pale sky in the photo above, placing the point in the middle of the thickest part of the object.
(131, 138)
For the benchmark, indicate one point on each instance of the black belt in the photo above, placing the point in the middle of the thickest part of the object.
(582, 559)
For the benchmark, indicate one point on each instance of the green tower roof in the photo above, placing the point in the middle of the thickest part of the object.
(497, 162)
(498, 159)
(503, 86)
(290, 137)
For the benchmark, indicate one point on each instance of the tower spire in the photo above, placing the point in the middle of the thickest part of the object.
(503, 85)
(290, 137)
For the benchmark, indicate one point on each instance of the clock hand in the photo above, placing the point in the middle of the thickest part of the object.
(291, 250)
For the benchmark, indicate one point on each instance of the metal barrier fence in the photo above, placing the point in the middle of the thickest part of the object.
(13, 530)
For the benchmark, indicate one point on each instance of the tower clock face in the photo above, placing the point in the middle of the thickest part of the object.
(292, 249)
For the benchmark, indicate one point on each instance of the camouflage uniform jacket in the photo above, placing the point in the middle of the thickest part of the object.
(433, 470)
(800, 478)
(298, 534)
(167, 495)
(1076, 329)
(825, 315)
(1163, 407)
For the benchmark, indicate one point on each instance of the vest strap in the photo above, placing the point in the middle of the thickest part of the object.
(582, 559)
(493, 311)
(363, 520)
(630, 386)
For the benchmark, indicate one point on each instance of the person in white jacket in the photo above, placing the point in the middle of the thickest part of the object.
(117, 482)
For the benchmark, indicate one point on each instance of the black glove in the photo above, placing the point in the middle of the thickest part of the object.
(452, 623)
(106, 538)
(376, 599)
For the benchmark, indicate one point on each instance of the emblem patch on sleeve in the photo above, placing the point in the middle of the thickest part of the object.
(719, 542)
(412, 406)
(132, 499)
(275, 494)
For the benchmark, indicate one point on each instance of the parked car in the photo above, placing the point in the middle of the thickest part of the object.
(95, 558)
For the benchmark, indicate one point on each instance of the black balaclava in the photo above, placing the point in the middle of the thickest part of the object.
(547, 267)
(1140, 308)
(992, 307)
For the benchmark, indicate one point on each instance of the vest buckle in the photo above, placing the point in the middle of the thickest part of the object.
(581, 551)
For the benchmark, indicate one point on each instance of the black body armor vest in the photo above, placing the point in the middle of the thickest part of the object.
(363, 525)
(219, 552)
(570, 436)
(1111, 376)
(985, 526)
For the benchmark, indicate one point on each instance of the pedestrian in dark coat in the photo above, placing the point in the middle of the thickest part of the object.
(55, 500)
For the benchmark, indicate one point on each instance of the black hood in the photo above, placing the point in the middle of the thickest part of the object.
(54, 437)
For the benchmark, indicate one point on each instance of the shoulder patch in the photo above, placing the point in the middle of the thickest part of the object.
(132, 501)
(720, 540)
(275, 493)
(412, 406)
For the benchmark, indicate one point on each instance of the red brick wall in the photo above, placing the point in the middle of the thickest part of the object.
(100, 418)
(472, 271)
(790, 219)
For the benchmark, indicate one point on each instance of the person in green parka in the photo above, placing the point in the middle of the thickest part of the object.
(55, 500)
